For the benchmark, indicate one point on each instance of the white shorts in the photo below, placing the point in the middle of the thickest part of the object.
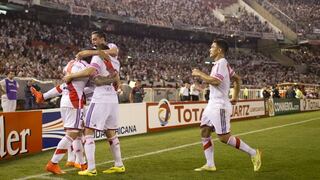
(102, 116)
(217, 118)
(8, 105)
(72, 118)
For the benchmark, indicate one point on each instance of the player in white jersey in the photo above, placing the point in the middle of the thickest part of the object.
(104, 108)
(71, 106)
(216, 116)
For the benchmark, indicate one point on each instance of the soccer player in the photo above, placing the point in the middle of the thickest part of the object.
(216, 116)
(71, 105)
(8, 88)
(103, 109)
(70, 92)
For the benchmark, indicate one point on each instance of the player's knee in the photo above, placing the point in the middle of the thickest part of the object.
(205, 132)
(88, 131)
(223, 138)
(110, 133)
(73, 133)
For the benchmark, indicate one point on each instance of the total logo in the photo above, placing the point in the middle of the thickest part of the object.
(164, 112)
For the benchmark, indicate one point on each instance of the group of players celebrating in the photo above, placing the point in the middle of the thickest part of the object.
(89, 103)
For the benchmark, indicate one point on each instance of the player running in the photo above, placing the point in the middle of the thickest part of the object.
(216, 116)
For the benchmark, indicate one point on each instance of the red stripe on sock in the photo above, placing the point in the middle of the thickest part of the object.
(61, 151)
(206, 146)
(59, 89)
(237, 143)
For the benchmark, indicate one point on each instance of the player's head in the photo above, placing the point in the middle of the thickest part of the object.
(218, 48)
(98, 38)
(102, 47)
(10, 74)
(138, 83)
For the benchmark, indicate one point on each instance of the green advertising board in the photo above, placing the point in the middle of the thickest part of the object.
(286, 106)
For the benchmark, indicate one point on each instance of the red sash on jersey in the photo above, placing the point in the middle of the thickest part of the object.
(112, 72)
(73, 95)
(70, 65)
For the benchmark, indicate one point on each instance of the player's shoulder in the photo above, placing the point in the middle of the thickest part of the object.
(82, 62)
(112, 45)
(96, 58)
(223, 61)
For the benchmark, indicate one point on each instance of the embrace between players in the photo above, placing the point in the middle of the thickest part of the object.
(98, 78)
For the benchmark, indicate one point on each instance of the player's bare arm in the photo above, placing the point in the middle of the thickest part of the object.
(102, 53)
(106, 80)
(236, 80)
(208, 79)
(81, 74)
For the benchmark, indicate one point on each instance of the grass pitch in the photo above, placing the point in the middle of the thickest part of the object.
(291, 150)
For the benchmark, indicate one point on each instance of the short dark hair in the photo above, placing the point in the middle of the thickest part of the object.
(222, 44)
(100, 34)
(9, 71)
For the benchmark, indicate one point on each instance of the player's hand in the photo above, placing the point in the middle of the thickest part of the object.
(98, 80)
(67, 78)
(103, 55)
(196, 72)
(234, 101)
(81, 54)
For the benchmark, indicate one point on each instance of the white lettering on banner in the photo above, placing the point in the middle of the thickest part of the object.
(13, 137)
(309, 104)
(285, 106)
(191, 113)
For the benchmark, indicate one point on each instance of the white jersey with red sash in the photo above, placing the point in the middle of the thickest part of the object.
(106, 93)
(103, 112)
(72, 93)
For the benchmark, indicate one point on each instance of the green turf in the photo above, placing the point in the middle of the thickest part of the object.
(290, 152)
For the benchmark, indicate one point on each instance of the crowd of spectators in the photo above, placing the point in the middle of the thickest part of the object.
(38, 50)
(305, 57)
(197, 13)
(245, 21)
(304, 13)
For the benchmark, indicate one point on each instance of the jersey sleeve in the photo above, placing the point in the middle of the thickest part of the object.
(96, 63)
(220, 71)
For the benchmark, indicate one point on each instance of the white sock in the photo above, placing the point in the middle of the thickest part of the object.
(62, 149)
(239, 144)
(71, 154)
(115, 149)
(54, 92)
(208, 151)
(78, 149)
(90, 149)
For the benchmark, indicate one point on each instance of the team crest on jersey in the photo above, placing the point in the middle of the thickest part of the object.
(164, 112)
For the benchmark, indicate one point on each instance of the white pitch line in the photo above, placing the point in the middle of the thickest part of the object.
(50, 178)
(175, 148)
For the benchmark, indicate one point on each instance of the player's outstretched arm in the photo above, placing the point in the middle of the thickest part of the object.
(81, 74)
(236, 80)
(208, 79)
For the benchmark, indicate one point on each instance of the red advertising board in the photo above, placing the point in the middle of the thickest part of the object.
(20, 133)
